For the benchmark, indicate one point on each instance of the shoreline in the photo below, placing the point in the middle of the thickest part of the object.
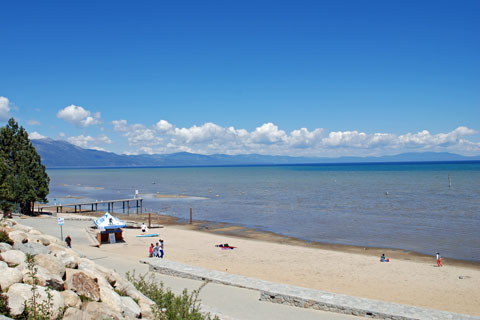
(242, 232)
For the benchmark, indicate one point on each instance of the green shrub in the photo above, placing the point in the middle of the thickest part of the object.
(167, 304)
(4, 238)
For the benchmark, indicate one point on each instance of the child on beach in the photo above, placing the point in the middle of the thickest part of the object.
(161, 249)
(155, 250)
(383, 259)
(150, 250)
(439, 260)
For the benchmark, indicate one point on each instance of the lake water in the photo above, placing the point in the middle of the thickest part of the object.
(406, 206)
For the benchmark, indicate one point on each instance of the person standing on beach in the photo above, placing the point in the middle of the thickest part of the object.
(161, 249)
(439, 260)
(68, 241)
(144, 227)
(151, 250)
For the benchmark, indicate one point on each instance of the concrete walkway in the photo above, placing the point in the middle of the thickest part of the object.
(226, 301)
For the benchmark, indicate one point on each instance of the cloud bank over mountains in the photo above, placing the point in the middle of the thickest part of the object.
(268, 139)
(210, 138)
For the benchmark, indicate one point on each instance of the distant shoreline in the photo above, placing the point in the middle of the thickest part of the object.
(326, 164)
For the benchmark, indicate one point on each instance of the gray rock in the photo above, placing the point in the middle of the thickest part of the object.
(9, 277)
(21, 227)
(53, 264)
(18, 236)
(69, 260)
(98, 310)
(83, 285)
(36, 238)
(34, 231)
(19, 293)
(3, 265)
(2, 317)
(113, 298)
(31, 248)
(71, 299)
(75, 314)
(130, 308)
(44, 277)
(13, 257)
(5, 247)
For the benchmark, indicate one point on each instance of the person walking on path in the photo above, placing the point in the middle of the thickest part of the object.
(68, 241)
(439, 260)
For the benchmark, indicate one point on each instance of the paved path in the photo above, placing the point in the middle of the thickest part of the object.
(226, 301)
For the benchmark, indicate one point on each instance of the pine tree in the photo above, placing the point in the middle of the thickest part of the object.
(23, 178)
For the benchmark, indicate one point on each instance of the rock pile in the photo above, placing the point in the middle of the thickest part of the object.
(81, 288)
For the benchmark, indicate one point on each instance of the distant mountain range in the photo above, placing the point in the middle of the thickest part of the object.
(58, 153)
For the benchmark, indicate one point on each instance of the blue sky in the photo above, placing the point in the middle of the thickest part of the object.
(322, 78)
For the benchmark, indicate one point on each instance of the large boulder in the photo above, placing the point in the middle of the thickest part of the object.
(113, 298)
(3, 265)
(13, 257)
(98, 310)
(18, 236)
(20, 293)
(9, 277)
(129, 308)
(144, 302)
(5, 247)
(83, 285)
(31, 248)
(37, 238)
(21, 227)
(71, 299)
(53, 264)
(44, 278)
(75, 314)
(68, 257)
(34, 231)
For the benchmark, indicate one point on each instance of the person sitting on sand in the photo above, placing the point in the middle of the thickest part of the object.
(143, 227)
(150, 250)
(383, 259)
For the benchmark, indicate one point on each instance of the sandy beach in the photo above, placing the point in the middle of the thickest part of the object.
(408, 278)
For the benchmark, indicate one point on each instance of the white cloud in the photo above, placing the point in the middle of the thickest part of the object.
(33, 122)
(90, 142)
(79, 116)
(4, 108)
(120, 125)
(163, 126)
(209, 138)
(36, 135)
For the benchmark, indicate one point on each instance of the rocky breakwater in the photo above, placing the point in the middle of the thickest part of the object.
(75, 287)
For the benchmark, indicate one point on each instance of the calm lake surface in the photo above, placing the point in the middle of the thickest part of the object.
(410, 206)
